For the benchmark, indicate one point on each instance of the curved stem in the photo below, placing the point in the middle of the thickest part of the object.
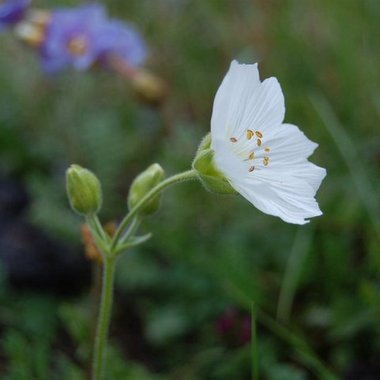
(101, 230)
(103, 318)
(185, 176)
(131, 230)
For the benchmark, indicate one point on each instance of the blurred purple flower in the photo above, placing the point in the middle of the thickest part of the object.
(70, 38)
(246, 329)
(124, 41)
(12, 11)
(227, 321)
(234, 327)
(82, 36)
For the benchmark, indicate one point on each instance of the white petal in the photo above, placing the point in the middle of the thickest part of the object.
(287, 194)
(288, 145)
(310, 173)
(229, 95)
(292, 201)
(271, 171)
(227, 162)
(289, 150)
(285, 189)
(242, 102)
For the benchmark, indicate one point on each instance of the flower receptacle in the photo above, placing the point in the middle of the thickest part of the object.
(83, 190)
(209, 175)
(142, 184)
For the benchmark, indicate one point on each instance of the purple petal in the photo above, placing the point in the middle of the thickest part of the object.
(123, 40)
(60, 47)
(12, 11)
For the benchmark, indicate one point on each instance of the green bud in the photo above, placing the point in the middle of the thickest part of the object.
(83, 190)
(210, 176)
(142, 184)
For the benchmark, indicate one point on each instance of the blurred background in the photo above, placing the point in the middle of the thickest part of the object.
(183, 301)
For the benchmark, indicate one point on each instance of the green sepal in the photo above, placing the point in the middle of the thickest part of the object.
(209, 175)
(205, 144)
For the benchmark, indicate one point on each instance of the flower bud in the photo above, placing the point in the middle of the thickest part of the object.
(142, 184)
(83, 190)
(209, 175)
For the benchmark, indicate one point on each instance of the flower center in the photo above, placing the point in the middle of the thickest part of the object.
(78, 45)
(252, 154)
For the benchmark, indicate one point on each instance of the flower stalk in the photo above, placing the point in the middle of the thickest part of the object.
(181, 177)
(112, 248)
(103, 318)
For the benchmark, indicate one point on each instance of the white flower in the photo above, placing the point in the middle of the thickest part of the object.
(263, 159)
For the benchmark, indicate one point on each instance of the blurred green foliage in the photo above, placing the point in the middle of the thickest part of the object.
(318, 284)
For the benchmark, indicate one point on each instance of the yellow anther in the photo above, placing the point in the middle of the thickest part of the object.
(259, 134)
(259, 142)
(233, 139)
(251, 156)
(267, 150)
(251, 169)
(249, 134)
(266, 161)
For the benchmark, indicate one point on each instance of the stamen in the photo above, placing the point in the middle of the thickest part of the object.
(251, 169)
(249, 134)
(259, 142)
(266, 161)
(267, 150)
(259, 134)
(251, 156)
(78, 45)
(233, 139)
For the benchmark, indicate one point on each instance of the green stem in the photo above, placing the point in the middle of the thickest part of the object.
(181, 177)
(98, 233)
(105, 237)
(109, 259)
(103, 318)
(131, 230)
(96, 289)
